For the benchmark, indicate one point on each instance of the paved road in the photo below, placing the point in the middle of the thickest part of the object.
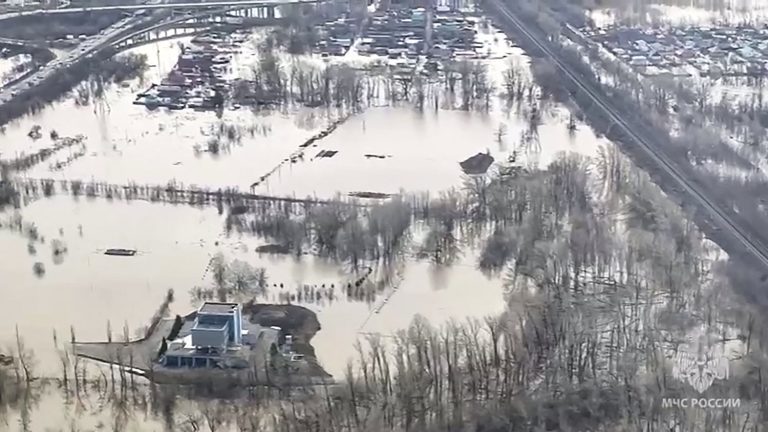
(87, 48)
(17, 42)
(135, 7)
(719, 217)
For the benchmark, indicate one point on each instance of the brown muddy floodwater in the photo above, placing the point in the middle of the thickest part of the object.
(421, 151)
(86, 289)
(128, 142)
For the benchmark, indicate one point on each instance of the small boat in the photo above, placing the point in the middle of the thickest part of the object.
(120, 252)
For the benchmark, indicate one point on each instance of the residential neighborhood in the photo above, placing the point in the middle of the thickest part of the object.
(688, 51)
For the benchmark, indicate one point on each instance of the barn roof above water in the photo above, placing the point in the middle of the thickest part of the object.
(477, 164)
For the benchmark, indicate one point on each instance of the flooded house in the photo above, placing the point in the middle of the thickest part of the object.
(477, 164)
(187, 62)
(199, 79)
(219, 338)
(170, 91)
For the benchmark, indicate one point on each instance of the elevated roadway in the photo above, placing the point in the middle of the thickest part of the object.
(87, 48)
(118, 32)
(149, 7)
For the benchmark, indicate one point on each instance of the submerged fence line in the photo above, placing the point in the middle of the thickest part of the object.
(237, 201)
(27, 161)
(171, 193)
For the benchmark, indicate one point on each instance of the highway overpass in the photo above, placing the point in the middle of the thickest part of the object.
(147, 7)
(120, 32)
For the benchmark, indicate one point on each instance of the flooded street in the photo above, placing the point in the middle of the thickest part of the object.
(387, 217)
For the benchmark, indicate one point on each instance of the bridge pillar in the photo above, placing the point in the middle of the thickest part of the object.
(271, 12)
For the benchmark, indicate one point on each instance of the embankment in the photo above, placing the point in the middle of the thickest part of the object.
(61, 82)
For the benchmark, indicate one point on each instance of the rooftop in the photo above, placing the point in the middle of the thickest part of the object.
(207, 326)
(477, 164)
(218, 308)
(184, 346)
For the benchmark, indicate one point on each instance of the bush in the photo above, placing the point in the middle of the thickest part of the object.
(176, 328)
(163, 348)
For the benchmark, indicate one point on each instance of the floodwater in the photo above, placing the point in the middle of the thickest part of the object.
(420, 151)
(87, 289)
(166, 145)
(129, 143)
(84, 289)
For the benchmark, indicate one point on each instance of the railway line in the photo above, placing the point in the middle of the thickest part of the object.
(719, 217)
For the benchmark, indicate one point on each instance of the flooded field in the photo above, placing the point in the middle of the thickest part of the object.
(167, 145)
(85, 289)
(374, 156)
(171, 145)
(382, 149)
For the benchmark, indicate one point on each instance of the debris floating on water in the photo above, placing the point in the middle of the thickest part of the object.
(120, 252)
(327, 154)
(273, 249)
(477, 164)
(372, 195)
